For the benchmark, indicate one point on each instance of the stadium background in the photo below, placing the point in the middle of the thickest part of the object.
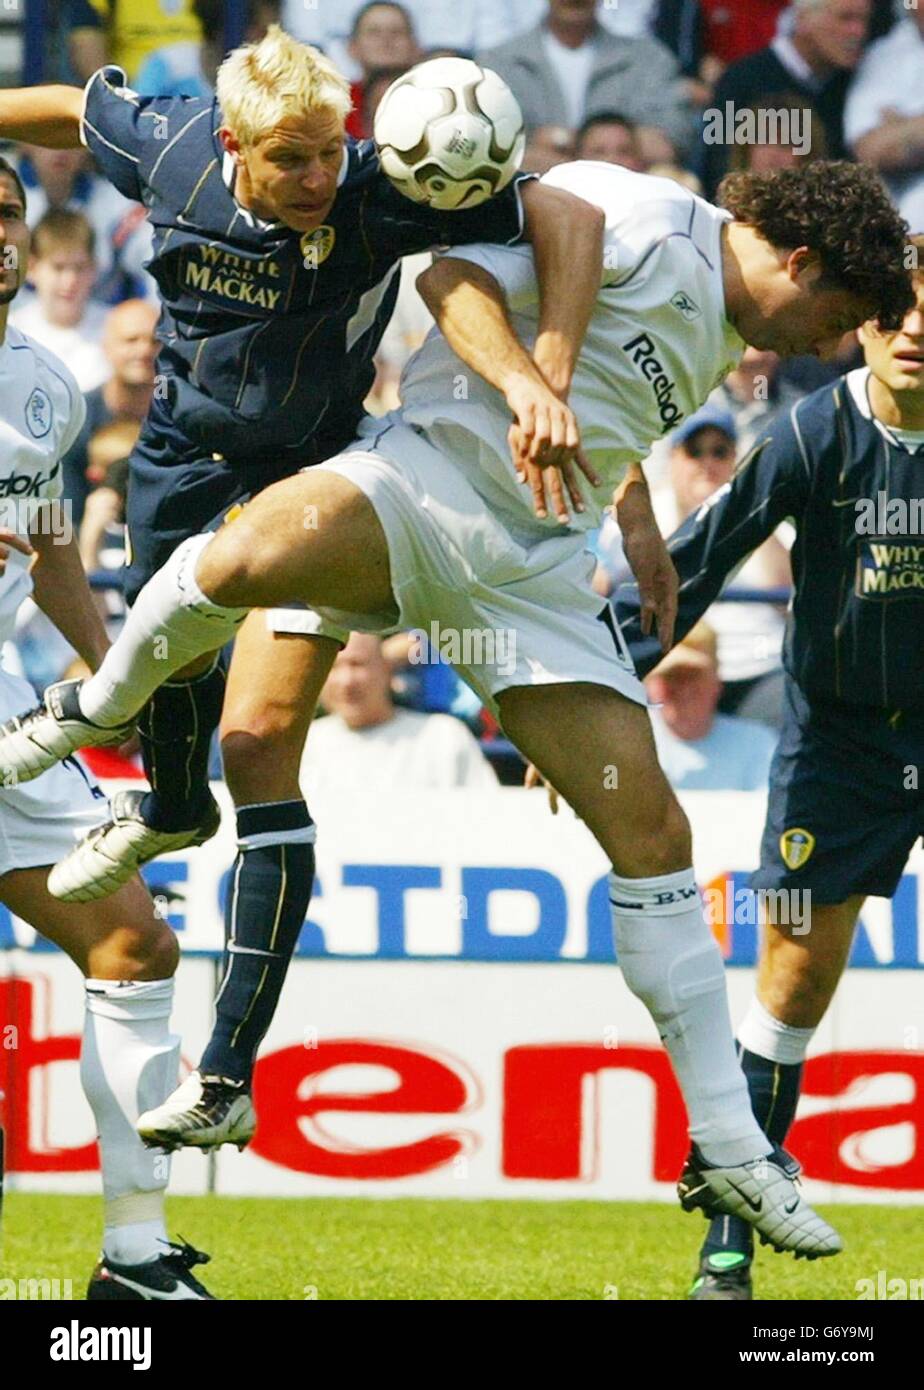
(453, 1024)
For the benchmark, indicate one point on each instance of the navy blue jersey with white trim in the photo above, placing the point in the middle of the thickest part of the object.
(854, 490)
(267, 336)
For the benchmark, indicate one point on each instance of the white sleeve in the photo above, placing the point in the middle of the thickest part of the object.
(634, 205)
(639, 211)
(76, 417)
(512, 267)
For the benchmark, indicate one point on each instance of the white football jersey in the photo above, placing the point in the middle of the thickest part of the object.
(41, 413)
(657, 344)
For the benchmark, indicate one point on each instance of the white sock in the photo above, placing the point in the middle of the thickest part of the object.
(170, 624)
(670, 961)
(766, 1036)
(128, 1064)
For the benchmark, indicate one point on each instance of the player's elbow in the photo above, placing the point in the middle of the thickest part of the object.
(447, 274)
(427, 283)
(587, 215)
(563, 214)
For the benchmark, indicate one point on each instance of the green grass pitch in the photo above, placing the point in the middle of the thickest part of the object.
(342, 1248)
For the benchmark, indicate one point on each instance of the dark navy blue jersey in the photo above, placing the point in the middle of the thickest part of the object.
(267, 335)
(855, 491)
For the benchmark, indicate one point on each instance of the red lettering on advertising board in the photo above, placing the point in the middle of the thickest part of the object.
(28, 1055)
(818, 1140)
(544, 1089)
(427, 1085)
(544, 1101)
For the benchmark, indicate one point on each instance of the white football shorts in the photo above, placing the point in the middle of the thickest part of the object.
(41, 821)
(502, 612)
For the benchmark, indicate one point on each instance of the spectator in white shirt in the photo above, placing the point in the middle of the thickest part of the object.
(700, 749)
(366, 744)
(60, 314)
(569, 67)
(884, 116)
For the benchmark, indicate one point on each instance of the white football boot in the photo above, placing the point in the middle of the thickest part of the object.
(763, 1193)
(112, 853)
(202, 1113)
(33, 742)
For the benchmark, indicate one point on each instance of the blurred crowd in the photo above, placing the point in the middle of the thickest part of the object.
(639, 83)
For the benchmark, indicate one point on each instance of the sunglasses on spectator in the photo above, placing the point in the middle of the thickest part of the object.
(716, 451)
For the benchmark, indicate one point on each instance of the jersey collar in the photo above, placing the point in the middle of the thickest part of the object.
(858, 386)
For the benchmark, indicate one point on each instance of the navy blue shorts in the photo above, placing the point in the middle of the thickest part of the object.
(846, 799)
(170, 500)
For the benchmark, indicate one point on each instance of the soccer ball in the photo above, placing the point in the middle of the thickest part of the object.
(449, 133)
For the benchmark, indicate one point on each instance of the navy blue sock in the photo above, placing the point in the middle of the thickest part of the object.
(774, 1092)
(176, 729)
(266, 908)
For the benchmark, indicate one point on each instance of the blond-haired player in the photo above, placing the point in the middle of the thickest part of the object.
(276, 250)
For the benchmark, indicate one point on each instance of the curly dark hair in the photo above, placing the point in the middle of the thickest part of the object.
(842, 212)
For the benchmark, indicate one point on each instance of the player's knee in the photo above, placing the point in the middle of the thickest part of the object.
(160, 952)
(233, 565)
(137, 952)
(661, 842)
(261, 762)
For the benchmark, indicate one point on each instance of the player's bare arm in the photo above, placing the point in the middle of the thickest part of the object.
(647, 554)
(47, 116)
(471, 310)
(567, 240)
(60, 585)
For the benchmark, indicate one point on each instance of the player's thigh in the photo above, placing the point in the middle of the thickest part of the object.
(315, 538)
(274, 683)
(118, 938)
(597, 749)
(803, 960)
